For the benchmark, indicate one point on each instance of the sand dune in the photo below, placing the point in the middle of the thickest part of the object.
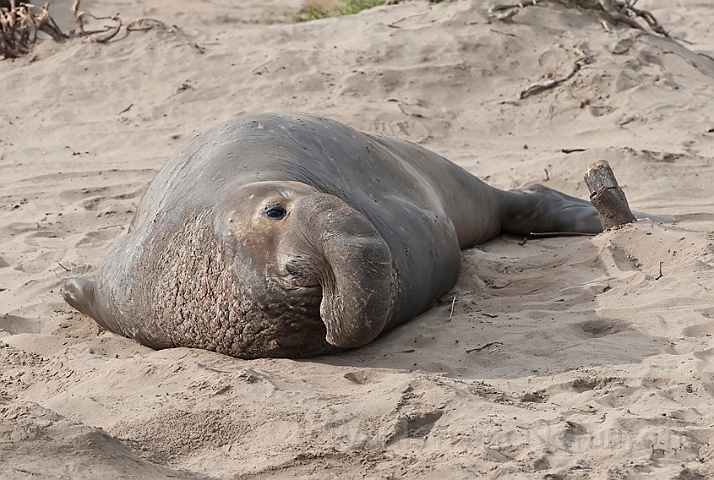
(564, 358)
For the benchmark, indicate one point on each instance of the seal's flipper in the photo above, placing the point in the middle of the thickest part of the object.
(539, 209)
(80, 293)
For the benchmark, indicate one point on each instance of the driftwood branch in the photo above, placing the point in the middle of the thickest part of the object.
(542, 86)
(78, 16)
(500, 8)
(483, 347)
(110, 31)
(616, 16)
(607, 196)
(101, 35)
(620, 12)
(142, 24)
(502, 12)
(616, 11)
(19, 26)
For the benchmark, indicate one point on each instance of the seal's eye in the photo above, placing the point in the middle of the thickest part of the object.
(275, 212)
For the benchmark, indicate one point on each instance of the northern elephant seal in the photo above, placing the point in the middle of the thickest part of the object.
(285, 235)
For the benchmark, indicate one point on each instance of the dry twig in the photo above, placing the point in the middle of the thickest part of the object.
(616, 11)
(142, 24)
(109, 32)
(539, 87)
(483, 347)
(394, 23)
(100, 36)
(615, 15)
(19, 26)
(78, 16)
(501, 8)
(620, 12)
(503, 12)
(660, 271)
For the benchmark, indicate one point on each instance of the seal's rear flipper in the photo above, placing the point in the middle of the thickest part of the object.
(539, 209)
(80, 293)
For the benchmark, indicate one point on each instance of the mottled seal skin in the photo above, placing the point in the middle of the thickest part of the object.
(283, 235)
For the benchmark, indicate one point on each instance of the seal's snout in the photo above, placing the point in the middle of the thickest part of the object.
(358, 302)
(356, 272)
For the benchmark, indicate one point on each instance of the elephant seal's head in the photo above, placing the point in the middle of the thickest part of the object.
(292, 244)
(273, 269)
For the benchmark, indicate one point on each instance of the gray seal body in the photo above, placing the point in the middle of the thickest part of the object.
(282, 235)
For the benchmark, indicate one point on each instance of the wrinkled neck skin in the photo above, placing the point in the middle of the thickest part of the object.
(190, 292)
(230, 280)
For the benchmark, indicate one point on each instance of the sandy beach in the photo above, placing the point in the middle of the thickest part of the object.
(560, 358)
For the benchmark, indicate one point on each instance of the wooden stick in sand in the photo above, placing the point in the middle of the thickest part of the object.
(607, 196)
